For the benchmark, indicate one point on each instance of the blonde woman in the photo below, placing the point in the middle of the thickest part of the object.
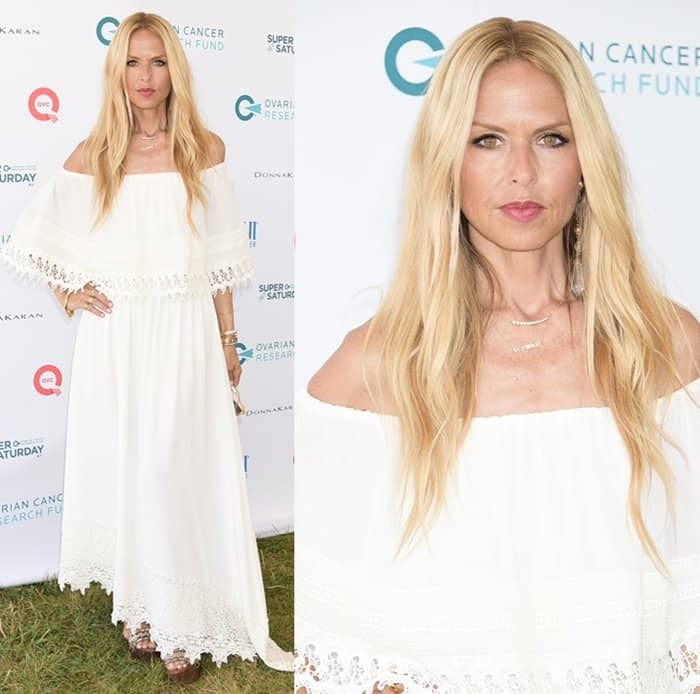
(498, 476)
(140, 235)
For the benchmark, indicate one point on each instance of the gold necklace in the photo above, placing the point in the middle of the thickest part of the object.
(519, 349)
(536, 321)
(149, 139)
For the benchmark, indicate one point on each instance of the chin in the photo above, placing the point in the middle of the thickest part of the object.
(145, 103)
(522, 238)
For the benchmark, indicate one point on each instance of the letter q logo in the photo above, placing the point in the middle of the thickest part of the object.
(391, 59)
(43, 104)
(47, 380)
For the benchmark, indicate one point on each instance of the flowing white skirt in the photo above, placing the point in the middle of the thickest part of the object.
(156, 506)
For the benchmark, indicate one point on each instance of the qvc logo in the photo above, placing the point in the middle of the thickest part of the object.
(47, 380)
(43, 104)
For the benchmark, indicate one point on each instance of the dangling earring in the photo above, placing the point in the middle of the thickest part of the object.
(577, 284)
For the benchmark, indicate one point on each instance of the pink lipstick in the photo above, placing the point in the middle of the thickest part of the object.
(522, 211)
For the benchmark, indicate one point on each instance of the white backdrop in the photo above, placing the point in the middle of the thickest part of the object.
(352, 136)
(241, 55)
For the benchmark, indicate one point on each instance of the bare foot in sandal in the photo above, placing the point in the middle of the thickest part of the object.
(140, 644)
(180, 669)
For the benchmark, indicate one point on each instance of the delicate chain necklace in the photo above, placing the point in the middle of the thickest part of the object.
(536, 321)
(518, 349)
(532, 344)
(149, 138)
(527, 346)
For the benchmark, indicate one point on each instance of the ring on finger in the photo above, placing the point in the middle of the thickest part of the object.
(90, 301)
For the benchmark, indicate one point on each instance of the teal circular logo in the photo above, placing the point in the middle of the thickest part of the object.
(105, 29)
(246, 107)
(392, 52)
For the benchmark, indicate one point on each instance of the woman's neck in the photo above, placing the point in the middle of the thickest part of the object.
(149, 121)
(527, 282)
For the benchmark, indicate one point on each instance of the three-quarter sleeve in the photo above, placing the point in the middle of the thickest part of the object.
(47, 244)
(228, 261)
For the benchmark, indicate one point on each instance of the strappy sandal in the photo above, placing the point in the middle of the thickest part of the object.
(137, 637)
(191, 672)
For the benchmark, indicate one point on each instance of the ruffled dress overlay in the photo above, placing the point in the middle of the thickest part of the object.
(155, 498)
(532, 580)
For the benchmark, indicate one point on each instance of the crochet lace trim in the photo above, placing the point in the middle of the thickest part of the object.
(188, 614)
(43, 270)
(230, 637)
(674, 670)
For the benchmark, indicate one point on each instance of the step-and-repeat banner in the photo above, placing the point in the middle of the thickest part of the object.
(241, 55)
(360, 71)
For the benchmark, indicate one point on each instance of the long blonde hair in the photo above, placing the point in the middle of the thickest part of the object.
(106, 147)
(431, 325)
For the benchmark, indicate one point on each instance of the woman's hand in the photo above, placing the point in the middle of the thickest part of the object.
(89, 299)
(233, 365)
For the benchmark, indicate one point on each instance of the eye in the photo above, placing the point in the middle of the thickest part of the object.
(159, 62)
(131, 62)
(553, 140)
(487, 141)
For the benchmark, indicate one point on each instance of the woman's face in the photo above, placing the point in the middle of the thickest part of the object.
(520, 171)
(146, 73)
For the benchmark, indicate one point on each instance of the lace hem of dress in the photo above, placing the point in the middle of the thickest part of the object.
(674, 670)
(232, 639)
(42, 270)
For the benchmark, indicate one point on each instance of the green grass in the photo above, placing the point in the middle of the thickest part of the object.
(54, 642)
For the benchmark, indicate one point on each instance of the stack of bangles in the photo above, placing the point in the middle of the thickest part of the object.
(229, 338)
(69, 311)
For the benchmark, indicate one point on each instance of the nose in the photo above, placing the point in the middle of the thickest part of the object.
(145, 73)
(522, 164)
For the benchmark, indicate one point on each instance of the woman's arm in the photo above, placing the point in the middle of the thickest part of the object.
(223, 305)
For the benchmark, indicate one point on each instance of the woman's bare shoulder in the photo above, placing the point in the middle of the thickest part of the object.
(76, 161)
(686, 341)
(216, 149)
(341, 381)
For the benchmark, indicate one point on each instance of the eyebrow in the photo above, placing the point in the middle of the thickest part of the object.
(495, 128)
(135, 57)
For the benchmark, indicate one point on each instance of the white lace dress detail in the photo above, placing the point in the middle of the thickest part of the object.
(155, 498)
(531, 582)
(145, 247)
(194, 613)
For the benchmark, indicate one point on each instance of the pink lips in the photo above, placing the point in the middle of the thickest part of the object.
(146, 92)
(522, 211)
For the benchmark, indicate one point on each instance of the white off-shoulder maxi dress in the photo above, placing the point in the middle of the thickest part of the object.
(532, 580)
(155, 499)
